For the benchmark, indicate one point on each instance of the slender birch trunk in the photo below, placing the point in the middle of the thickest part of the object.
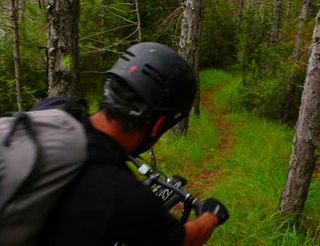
(16, 52)
(189, 47)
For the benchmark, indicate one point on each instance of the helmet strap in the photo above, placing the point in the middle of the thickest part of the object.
(158, 126)
(154, 130)
(152, 133)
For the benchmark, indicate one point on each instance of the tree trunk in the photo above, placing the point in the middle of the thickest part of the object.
(304, 15)
(189, 47)
(41, 4)
(307, 137)
(239, 10)
(138, 21)
(289, 10)
(291, 88)
(274, 36)
(16, 51)
(63, 50)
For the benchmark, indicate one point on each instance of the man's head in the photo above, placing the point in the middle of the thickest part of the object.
(150, 87)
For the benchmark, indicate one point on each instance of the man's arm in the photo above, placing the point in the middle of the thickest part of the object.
(199, 230)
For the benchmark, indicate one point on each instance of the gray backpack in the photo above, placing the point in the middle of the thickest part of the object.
(40, 153)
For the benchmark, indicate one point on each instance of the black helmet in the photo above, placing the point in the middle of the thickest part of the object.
(162, 78)
(164, 81)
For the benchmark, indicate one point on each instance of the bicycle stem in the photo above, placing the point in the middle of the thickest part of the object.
(153, 177)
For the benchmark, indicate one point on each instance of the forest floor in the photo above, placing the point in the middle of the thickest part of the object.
(205, 178)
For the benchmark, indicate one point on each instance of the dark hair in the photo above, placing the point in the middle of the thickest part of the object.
(121, 103)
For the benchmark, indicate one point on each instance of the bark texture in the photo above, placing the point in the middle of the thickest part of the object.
(274, 36)
(63, 50)
(306, 140)
(189, 47)
(240, 4)
(289, 10)
(138, 21)
(16, 52)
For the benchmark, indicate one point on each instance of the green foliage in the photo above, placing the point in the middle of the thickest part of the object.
(106, 28)
(109, 27)
(312, 204)
(218, 43)
(264, 84)
(210, 78)
(191, 153)
(249, 179)
(161, 21)
(32, 36)
(267, 69)
(98, 40)
(94, 102)
(253, 31)
(263, 97)
(7, 95)
(254, 170)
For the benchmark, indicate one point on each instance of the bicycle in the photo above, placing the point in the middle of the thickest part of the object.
(177, 200)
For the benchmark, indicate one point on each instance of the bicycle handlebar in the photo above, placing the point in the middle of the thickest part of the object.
(169, 190)
(153, 178)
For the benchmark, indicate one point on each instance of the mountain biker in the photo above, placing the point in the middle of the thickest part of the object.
(148, 90)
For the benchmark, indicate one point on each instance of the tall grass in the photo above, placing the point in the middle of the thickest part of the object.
(175, 153)
(251, 176)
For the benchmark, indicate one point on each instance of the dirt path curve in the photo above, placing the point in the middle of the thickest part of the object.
(205, 178)
(224, 126)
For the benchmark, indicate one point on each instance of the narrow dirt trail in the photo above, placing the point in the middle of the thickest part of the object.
(205, 178)
(224, 126)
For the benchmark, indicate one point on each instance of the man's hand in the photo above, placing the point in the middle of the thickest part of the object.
(211, 213)
(215, 207)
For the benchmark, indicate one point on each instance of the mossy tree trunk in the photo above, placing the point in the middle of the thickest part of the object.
(63, 48)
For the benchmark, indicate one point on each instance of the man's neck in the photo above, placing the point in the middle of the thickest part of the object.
(129, 141)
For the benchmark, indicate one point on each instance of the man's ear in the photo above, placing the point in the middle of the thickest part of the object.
(158, 126)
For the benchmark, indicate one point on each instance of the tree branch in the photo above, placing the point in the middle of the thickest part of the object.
(105, 31)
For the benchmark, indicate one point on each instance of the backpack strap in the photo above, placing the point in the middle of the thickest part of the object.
(23, 119)
(73, 105)
(30, 160)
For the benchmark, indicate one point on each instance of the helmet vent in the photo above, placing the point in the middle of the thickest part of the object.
(127, 55)
(155, 75)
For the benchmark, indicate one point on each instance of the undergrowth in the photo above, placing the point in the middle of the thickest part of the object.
(249, 179)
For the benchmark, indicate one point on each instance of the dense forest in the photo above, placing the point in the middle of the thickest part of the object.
(267, 40)
(272, 44)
